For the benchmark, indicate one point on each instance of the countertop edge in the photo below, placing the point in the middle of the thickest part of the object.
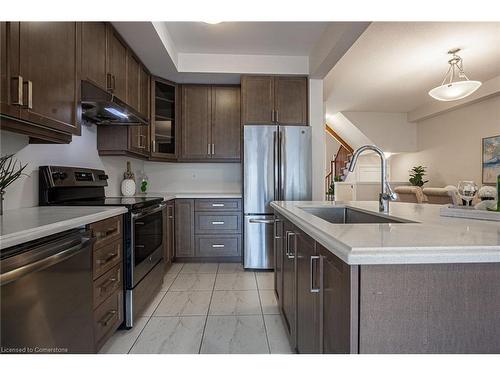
(27, 235)
(366, 256)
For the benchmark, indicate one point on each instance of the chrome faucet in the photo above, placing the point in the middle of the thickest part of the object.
(386, 193)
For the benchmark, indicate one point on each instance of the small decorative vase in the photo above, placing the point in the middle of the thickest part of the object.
(128, 187)
(143, 183)
(128, 183)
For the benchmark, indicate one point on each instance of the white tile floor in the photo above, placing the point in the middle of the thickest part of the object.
(208, 308)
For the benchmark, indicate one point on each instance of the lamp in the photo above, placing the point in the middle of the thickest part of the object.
(457, 84)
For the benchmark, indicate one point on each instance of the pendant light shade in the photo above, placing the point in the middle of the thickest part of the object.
(455, 84)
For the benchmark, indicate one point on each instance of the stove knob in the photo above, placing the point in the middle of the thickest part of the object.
(63, 175)
(56, 176)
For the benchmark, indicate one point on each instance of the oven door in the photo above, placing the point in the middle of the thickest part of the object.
(146, 241)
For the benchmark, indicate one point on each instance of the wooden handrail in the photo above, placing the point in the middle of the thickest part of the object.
(338, 138)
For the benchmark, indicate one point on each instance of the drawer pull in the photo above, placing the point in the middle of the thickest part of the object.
(217, 204)
(107, 319)
(215, 245)
(106, 285)
(105, 233)
(217, 223)
(110, 257)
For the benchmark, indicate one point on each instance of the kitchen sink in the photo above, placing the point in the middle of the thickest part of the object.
(346, 215)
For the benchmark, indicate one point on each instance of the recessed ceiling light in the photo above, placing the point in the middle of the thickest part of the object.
(456, 85)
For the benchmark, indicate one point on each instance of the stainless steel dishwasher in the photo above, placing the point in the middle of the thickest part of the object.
(46, 295)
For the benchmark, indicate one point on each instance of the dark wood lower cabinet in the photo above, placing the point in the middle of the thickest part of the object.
(288, 294)
(184, 228)
(169, 233)
(279, 235)
(308, 334)
(208, 230)
(338, 304)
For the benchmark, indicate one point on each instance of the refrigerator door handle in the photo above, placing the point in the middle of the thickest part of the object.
(276, 166)
(281, 188)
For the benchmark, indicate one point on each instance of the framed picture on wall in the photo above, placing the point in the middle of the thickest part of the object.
(491, 159)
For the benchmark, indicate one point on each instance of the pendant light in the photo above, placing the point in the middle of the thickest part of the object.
(455, 84)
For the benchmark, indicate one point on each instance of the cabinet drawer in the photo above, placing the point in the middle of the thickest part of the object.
(217, 223)
(211, 246)
(217, 205)
(107, 284)
(107, 231)
(106, 258)
(108, 317)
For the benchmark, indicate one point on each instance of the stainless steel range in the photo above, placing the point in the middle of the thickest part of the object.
(143, 228)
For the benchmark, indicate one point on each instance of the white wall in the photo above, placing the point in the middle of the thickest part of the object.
(389, 131)
(194, 177)
(450, 144)
(317, 122)
(82, 152)
(331, 149)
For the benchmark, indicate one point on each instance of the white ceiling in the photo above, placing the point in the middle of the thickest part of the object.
(393, 65)
(246, 38)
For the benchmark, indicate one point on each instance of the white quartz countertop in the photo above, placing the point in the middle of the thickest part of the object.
(26, 224)
(428, 238)
(173, 195)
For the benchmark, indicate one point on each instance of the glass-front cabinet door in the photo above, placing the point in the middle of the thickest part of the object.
(163, 119)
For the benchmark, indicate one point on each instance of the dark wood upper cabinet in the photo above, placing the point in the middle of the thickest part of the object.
(257, 93)
(210, 123)
(184, 228)
(116, 61)
(226, 129)
(274, 100)
(196, 120)
(94, 53)
(41, 79)
(144, 91)
(307, 294)
(290, 97)
(133, 80)
(164, 121)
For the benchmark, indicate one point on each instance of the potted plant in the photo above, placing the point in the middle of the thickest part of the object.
(331, 190)
(10, 170)
(417, 176)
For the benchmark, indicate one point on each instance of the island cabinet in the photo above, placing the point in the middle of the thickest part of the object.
(332, 307)
(208, 229)
(281, 100)
(40, 79)
(210, 123)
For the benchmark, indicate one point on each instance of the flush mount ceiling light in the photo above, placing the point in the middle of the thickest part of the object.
(455, 84)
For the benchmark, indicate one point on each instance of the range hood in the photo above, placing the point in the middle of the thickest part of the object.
(103, 108)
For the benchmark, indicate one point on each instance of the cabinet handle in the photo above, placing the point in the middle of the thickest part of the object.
(153, 144)
(217, 204)
(288, 252)
(109, 86)
(19, 91)
(114, 83)
(275, 229)
(106, 233)
(140, 137)
(272, 115)
(217, 245)
(28, 86)
(107, 284)
(217, 223)
(213, 148)
(277, 116)
(110, 257)
(107, 318)
(311, 269)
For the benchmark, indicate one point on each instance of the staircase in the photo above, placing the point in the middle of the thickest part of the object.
(339, 167)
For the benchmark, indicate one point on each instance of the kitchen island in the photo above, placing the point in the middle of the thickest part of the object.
(352, 280)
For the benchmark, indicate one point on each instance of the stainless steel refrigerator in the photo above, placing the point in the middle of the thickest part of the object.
(277, 167)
